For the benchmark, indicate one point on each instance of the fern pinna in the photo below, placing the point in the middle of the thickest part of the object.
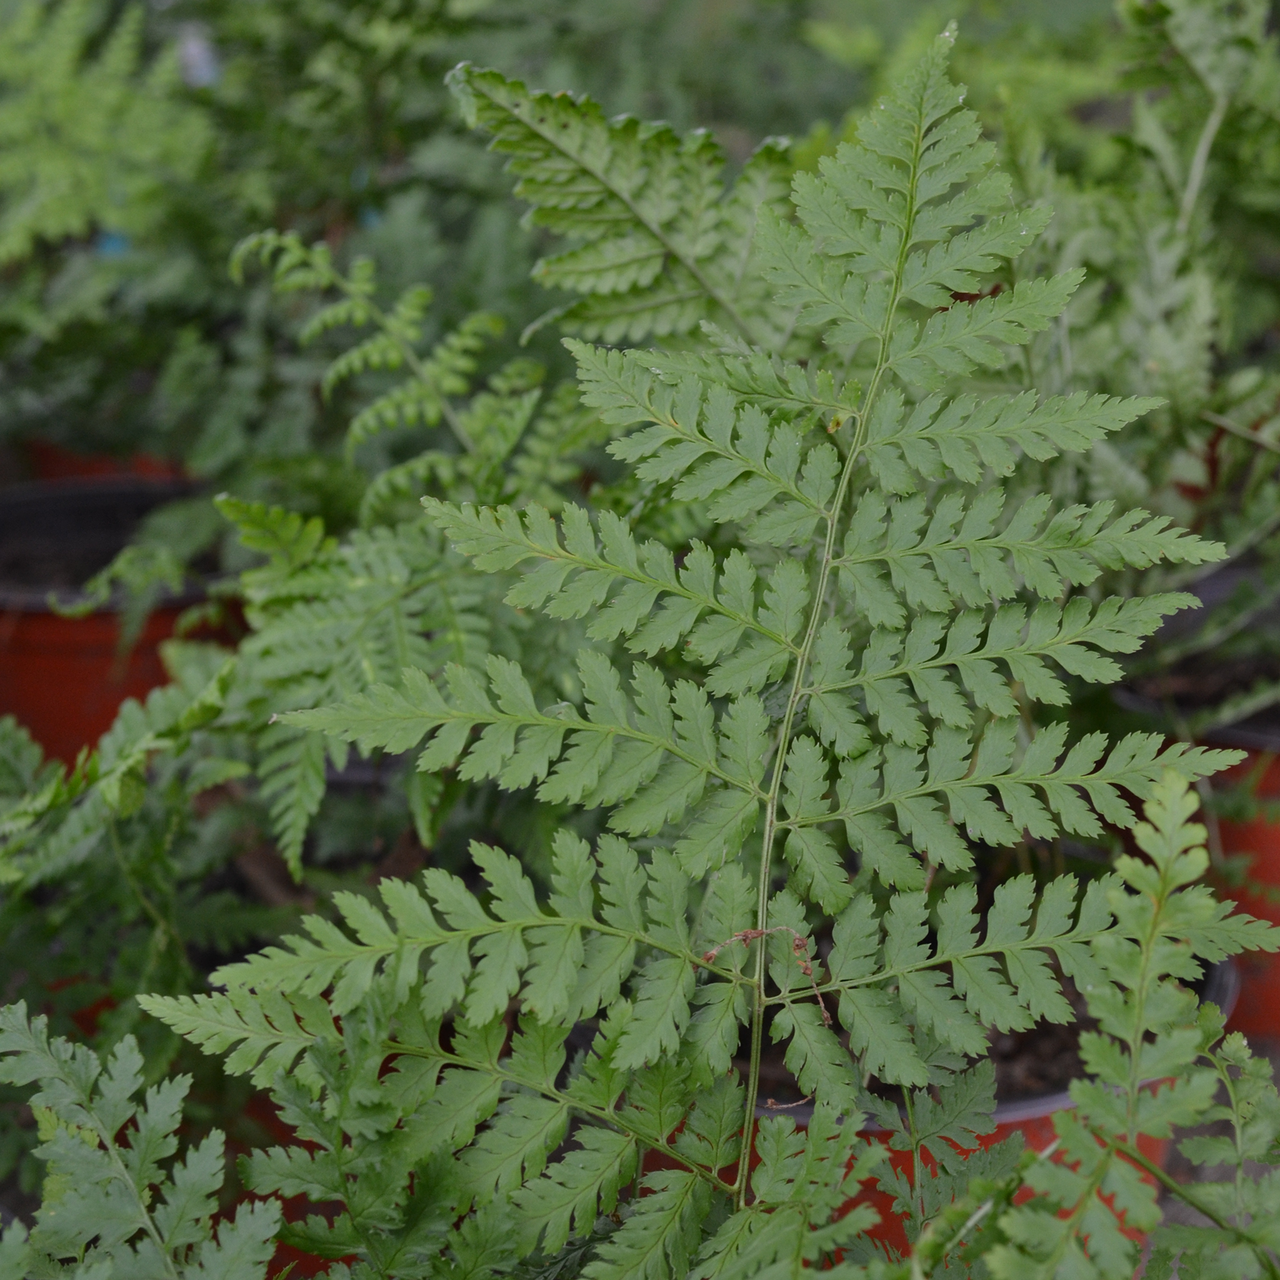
(812, 716)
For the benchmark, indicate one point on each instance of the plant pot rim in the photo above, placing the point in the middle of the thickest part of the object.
(36, 495)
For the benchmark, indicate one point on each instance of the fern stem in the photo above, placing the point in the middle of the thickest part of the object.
(917, 1172)
(1147, 974)
(123, 1176)
(798, 688)
(1237, 1132)
(775, 789)
(1200, 161)
(1188, 1197)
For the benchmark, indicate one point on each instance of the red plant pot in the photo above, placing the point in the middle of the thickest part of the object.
(64, 678)
(1257, 1013)
(51, 461)
(1033, 1118)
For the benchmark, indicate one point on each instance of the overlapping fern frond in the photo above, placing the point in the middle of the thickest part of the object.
(332, 618)
(110, 1205)
(846, 692)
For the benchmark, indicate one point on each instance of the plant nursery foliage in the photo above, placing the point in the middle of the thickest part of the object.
(483, 1145)
(769, 750)
(779, 686)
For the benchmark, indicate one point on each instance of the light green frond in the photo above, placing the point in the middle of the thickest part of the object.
(711, 607)
(650, 752)
(422, 398)
(932, 558)
(996, 799)
(965, 436)
(661, 245)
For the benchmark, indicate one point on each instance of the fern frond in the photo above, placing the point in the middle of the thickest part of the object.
(761, 378)
(424, 397)
(754, 472)
(964, 436)
(287, 539)
(110, 1208)
(569, 961)
(578, 578)
(851, 641)
(662, 245)
(662, 1235)
(933, 558)
(552, 448)
(953, 783)
(1148, 1021)
(261, 1035)
(566, 1200)
(651, 753)
(291, 769)
(905, 673)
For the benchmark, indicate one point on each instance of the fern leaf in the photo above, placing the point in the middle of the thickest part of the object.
(514, 1147)
(261, 1034)
(578, 577)
(569, 1195)
(446, 371)
(660, 246)
(661, 1236)
(755, 473)
(665, 739)
(292, 770)
(110, 1207)
(936, 560)
(963, 436)
(661, 1012)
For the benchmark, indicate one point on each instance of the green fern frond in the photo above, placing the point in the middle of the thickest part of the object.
(662, 244)
(1147, 1023)
(850, 643)
(110, 1208)
(933, 558)
(291, 768)
(424, 397)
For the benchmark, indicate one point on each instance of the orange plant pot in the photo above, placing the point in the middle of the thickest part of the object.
(51, 461)
(1257, 1012)
(64, 678)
